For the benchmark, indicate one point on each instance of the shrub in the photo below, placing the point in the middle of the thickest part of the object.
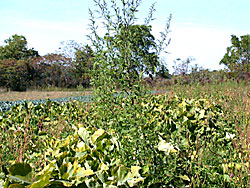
(89, 158)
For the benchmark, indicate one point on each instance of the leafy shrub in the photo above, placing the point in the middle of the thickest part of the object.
(87, 159)
(26, 126)
(177, 141)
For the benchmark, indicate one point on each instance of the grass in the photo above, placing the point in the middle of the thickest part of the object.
(232, 96)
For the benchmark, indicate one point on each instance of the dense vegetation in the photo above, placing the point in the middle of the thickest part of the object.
(167, 140)
(22, 68)
(195, 135)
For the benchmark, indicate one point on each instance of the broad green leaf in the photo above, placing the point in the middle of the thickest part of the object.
(42, 182)
(84, 134)
(135, 170)
(83, 173)
(202, 114)
(21, 169)
(133, 181)
(184, 177)
(24, 179)
(166, 146)
(121, 175)
(97, 133)
(81, 147)
(104, 167)
(65, 183)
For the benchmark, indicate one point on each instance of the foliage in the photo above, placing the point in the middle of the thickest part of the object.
(86, 159)
(82, 65)
(163, 72)
(176, 126)
(237, 57)
(52, 70)
(142, 49)
(182, 67)
(14, 74)
(16, 48)
(126, 52)
(168, 141)
(23, 68)
(25, 128)
(187, 73)
(234, 99)
(176, 141)
(14, 63)
(159, 134)
(80, 61)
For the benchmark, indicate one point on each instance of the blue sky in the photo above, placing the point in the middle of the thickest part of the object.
(200, 29)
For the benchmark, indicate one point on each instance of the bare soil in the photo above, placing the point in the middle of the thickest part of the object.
(34, 95)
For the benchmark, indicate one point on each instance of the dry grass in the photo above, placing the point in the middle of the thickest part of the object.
(34, 95)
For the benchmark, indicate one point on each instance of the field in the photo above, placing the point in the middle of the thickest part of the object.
(35, 94)
(193, 136)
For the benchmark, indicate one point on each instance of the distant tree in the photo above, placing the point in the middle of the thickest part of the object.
(83, 64)
(16, 48)
(182, 67)
(80, 60)
(68, 48)
(52, 70)
(237, 57)
(15, 63)
(14, 74)
(144, 57)
(163, 72)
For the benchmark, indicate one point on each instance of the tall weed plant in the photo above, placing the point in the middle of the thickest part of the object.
(179, 144)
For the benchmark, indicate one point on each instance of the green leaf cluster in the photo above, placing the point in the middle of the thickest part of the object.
(237, 57)
(171, 141)
(16, 48)
(127, 52)
(89, 158)
(176, 141)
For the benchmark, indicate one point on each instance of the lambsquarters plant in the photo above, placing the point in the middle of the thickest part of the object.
(125, 53)
(176, 143)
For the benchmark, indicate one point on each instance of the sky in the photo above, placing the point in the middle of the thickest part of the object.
(200, 29)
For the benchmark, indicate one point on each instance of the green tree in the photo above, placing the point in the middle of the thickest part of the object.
(237, 57)
(52, 70)
(82, 65)
(143, 48)
(81, 57)
(15, 63)
(16, 48)
(14, 74)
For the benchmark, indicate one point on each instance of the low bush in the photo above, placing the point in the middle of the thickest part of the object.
(177, 141)
(86, 159)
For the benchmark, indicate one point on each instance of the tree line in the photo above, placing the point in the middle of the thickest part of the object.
(22, 68)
